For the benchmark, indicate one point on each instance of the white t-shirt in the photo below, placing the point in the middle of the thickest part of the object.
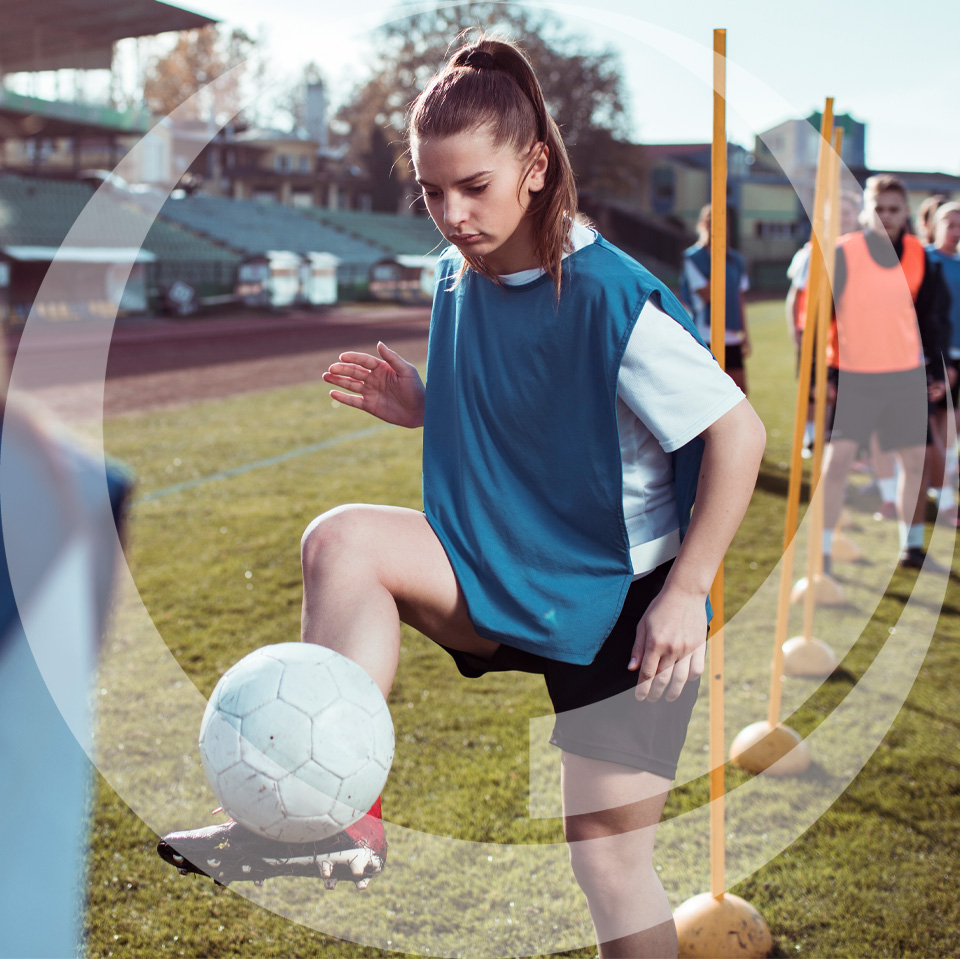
(657, 413)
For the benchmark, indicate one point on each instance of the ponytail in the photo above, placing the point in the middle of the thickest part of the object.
(491, 84)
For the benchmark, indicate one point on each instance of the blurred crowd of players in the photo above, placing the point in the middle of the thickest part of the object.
(893, 352)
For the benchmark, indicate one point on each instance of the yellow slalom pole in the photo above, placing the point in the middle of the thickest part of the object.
(824, 313)
(805, 655)
(718, 327)
(833, 227)
(822, 318)
(718, 923)
(803, 388)
(770, 745)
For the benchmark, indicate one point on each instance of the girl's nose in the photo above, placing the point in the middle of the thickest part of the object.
(452, 212)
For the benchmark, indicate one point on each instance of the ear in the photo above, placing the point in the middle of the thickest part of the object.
(536, 178)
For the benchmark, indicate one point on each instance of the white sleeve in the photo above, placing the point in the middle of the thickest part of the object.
(672, 384)
(799, 267)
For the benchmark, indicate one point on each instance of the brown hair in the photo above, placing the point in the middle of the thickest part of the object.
(490, 83)
(925, 216)
(882, 182)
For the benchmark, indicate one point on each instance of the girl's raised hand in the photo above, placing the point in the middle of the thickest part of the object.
(386, 386)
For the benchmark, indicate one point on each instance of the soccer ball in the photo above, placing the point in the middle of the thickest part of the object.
(296, 742)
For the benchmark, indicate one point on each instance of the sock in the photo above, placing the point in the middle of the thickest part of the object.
(888, 488)
(808, 434)
(945, 497)
(827, 542)
(911, 536)
(368, 831)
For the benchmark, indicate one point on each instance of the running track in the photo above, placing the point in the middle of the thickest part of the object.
(156, 362)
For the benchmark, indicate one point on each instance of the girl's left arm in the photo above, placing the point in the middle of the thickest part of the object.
(671, 636)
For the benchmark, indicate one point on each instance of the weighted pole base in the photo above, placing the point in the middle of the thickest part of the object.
(810, 657)
(724, 928)
(777, 750)
(827, 591)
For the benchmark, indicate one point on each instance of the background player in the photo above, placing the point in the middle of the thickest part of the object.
(695, 292)
(887, 320)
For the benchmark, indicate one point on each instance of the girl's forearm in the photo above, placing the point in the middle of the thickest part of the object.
(733, 449)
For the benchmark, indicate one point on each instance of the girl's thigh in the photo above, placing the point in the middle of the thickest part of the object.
(399, 550)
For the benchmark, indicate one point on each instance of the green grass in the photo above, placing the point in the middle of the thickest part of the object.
(217, 569)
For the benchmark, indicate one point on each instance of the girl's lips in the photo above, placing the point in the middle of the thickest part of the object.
(465, 237)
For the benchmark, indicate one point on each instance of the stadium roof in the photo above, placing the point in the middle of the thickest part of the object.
(63, 34)
(22, 116)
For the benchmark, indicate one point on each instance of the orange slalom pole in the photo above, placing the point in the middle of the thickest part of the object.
(718, 299)
(824, 247)
(708, 923)
(796, 463)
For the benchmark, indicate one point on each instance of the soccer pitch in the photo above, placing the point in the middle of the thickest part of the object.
(225, 489)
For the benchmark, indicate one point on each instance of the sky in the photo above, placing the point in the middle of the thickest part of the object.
(884, 68)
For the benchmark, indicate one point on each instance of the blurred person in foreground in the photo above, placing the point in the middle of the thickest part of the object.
(60, 511)
(889, 320)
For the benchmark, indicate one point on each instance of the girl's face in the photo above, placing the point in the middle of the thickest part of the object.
(478, 195)
(947, 234)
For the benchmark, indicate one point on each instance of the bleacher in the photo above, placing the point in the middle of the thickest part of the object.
(39, 212)
(250, 227)
(417, 236)
(200, 240)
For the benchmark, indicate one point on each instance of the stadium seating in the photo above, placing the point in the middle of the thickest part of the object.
(201, 239)
(395, 234)
(41, 212)
(251, 227)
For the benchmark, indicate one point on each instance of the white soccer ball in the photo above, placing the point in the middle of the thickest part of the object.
(296, 742)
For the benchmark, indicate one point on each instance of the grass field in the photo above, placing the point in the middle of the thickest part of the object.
(477, 864)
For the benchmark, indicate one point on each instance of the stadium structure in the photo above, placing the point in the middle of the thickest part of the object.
(255, 211)
(250, 194)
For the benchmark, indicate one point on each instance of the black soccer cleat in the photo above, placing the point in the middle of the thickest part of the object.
(229, 853)
(914, 557)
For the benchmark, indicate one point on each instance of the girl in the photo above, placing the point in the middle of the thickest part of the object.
(566, 397)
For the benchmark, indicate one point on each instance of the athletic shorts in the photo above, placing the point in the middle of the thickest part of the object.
(892, 405)
(598, 715)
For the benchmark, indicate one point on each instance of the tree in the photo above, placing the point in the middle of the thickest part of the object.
(583, 87)
(197, 58)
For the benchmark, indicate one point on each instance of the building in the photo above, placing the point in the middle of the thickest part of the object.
(769, 191)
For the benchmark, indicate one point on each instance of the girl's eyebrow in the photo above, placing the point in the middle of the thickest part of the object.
(466, 179)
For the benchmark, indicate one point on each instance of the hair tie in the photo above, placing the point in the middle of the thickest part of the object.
(480, 60)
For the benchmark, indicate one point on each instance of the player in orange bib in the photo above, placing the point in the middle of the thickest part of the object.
(889, 319)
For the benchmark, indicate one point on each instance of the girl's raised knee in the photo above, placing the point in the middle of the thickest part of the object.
(327, 535)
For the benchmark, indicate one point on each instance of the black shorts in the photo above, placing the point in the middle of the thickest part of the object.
(597, 714)
(733, 357)
(892, 405)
